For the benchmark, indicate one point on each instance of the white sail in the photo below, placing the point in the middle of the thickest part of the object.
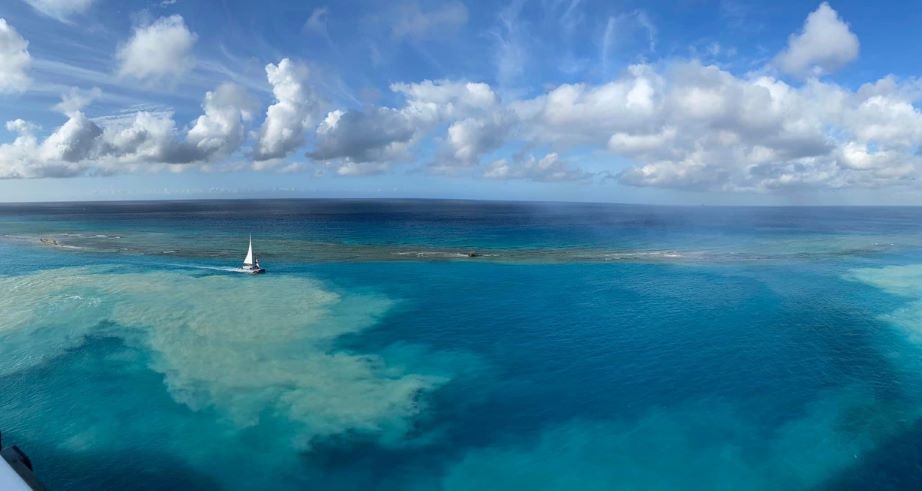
(249, 260)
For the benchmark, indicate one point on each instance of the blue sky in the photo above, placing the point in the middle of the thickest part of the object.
(688, 101)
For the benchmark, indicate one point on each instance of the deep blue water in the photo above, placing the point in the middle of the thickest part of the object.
(586, 347)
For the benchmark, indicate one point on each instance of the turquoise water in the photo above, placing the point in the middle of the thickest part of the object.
(583, 347)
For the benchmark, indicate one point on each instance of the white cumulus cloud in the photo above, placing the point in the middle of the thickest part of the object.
(381, 135)
(14, 59)
(287, 119)
(683, 124)
(377, 137)
(157, 51)
(823, 46)
(75, 100)
(696, 126)
(470, 138)
(143, 139)
(546, 169)
(220, 131)
(72, 142)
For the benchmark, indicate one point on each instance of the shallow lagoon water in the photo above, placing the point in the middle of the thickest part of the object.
(722, 349)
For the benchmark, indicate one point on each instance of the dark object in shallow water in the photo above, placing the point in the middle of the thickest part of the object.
(473, 254)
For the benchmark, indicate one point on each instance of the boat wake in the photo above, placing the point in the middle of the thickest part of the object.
(226, 269)
(250, 265)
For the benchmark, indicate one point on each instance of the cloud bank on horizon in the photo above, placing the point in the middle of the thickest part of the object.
(710, 119)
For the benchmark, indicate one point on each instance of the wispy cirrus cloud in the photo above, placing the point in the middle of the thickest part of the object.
(415, 22)
(62, 10)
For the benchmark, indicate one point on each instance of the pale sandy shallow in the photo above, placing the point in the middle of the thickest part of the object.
(238, 344)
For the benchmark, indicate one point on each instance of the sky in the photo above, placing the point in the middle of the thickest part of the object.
(667, 102)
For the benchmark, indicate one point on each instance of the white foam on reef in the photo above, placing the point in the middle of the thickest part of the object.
(244, 348)
(704, 445)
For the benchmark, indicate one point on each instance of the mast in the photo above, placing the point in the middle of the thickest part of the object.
(249, 259)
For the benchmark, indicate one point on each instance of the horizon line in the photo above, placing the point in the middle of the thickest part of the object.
(474, 200)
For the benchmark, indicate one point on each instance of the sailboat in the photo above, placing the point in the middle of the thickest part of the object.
(251, 263)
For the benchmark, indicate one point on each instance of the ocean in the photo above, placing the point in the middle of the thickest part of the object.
(456, 345)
